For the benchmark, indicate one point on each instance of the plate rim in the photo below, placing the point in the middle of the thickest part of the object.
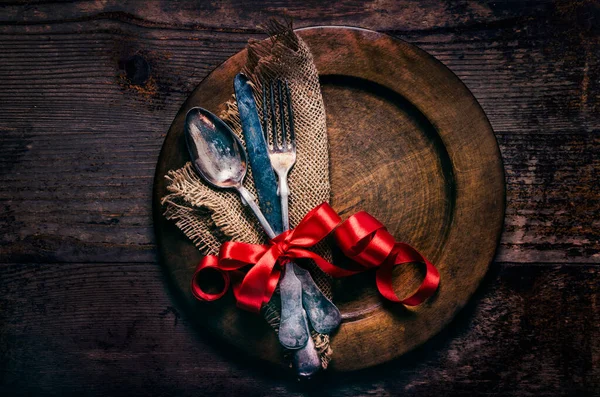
(157, 207)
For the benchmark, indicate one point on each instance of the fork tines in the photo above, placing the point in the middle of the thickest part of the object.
(277, 100)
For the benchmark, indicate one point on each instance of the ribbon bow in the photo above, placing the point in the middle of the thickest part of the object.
(361, 237)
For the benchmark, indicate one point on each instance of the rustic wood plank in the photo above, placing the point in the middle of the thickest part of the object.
(79, 140)
(78, 144)
(238, 15)
(77, 326)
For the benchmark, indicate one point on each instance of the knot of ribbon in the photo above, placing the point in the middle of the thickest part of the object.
(362, 238)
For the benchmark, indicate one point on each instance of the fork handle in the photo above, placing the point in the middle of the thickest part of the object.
(284, 194)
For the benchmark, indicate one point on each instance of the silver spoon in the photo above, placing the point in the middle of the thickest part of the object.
(220, 159)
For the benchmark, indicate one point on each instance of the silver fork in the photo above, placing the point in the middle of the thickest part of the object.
(283, 156)
(322, 313)
(293, 328)
(282, 152)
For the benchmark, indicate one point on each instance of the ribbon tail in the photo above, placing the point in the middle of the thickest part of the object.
(403, 254)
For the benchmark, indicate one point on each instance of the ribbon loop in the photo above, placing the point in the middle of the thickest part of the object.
(209, 262)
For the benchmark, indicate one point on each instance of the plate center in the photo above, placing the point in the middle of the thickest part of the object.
(406, 182)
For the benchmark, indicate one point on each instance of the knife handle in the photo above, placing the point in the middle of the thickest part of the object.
(324, 316)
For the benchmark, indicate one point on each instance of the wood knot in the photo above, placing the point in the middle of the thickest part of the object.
(137, 69)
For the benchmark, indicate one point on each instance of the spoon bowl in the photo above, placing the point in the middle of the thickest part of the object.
(217, 153)
(219, 157)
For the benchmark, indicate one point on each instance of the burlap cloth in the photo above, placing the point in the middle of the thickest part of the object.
(209, 217)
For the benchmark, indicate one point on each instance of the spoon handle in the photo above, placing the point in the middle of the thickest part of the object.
(248, 199)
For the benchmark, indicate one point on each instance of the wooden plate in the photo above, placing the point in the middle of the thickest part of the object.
(409, 144)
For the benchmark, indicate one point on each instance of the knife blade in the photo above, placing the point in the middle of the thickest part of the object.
(262, 172)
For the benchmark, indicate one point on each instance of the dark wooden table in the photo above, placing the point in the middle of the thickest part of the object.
(87, 93)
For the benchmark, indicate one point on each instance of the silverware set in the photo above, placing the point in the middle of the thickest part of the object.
(220, 159)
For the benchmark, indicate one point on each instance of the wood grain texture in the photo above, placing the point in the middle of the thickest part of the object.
(130, 340)
(67, 101)
(78, 145)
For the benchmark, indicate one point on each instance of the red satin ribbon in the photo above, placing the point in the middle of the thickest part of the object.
(361, 237)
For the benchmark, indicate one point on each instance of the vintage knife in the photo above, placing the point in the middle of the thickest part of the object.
(262, 172)
(293, 328)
